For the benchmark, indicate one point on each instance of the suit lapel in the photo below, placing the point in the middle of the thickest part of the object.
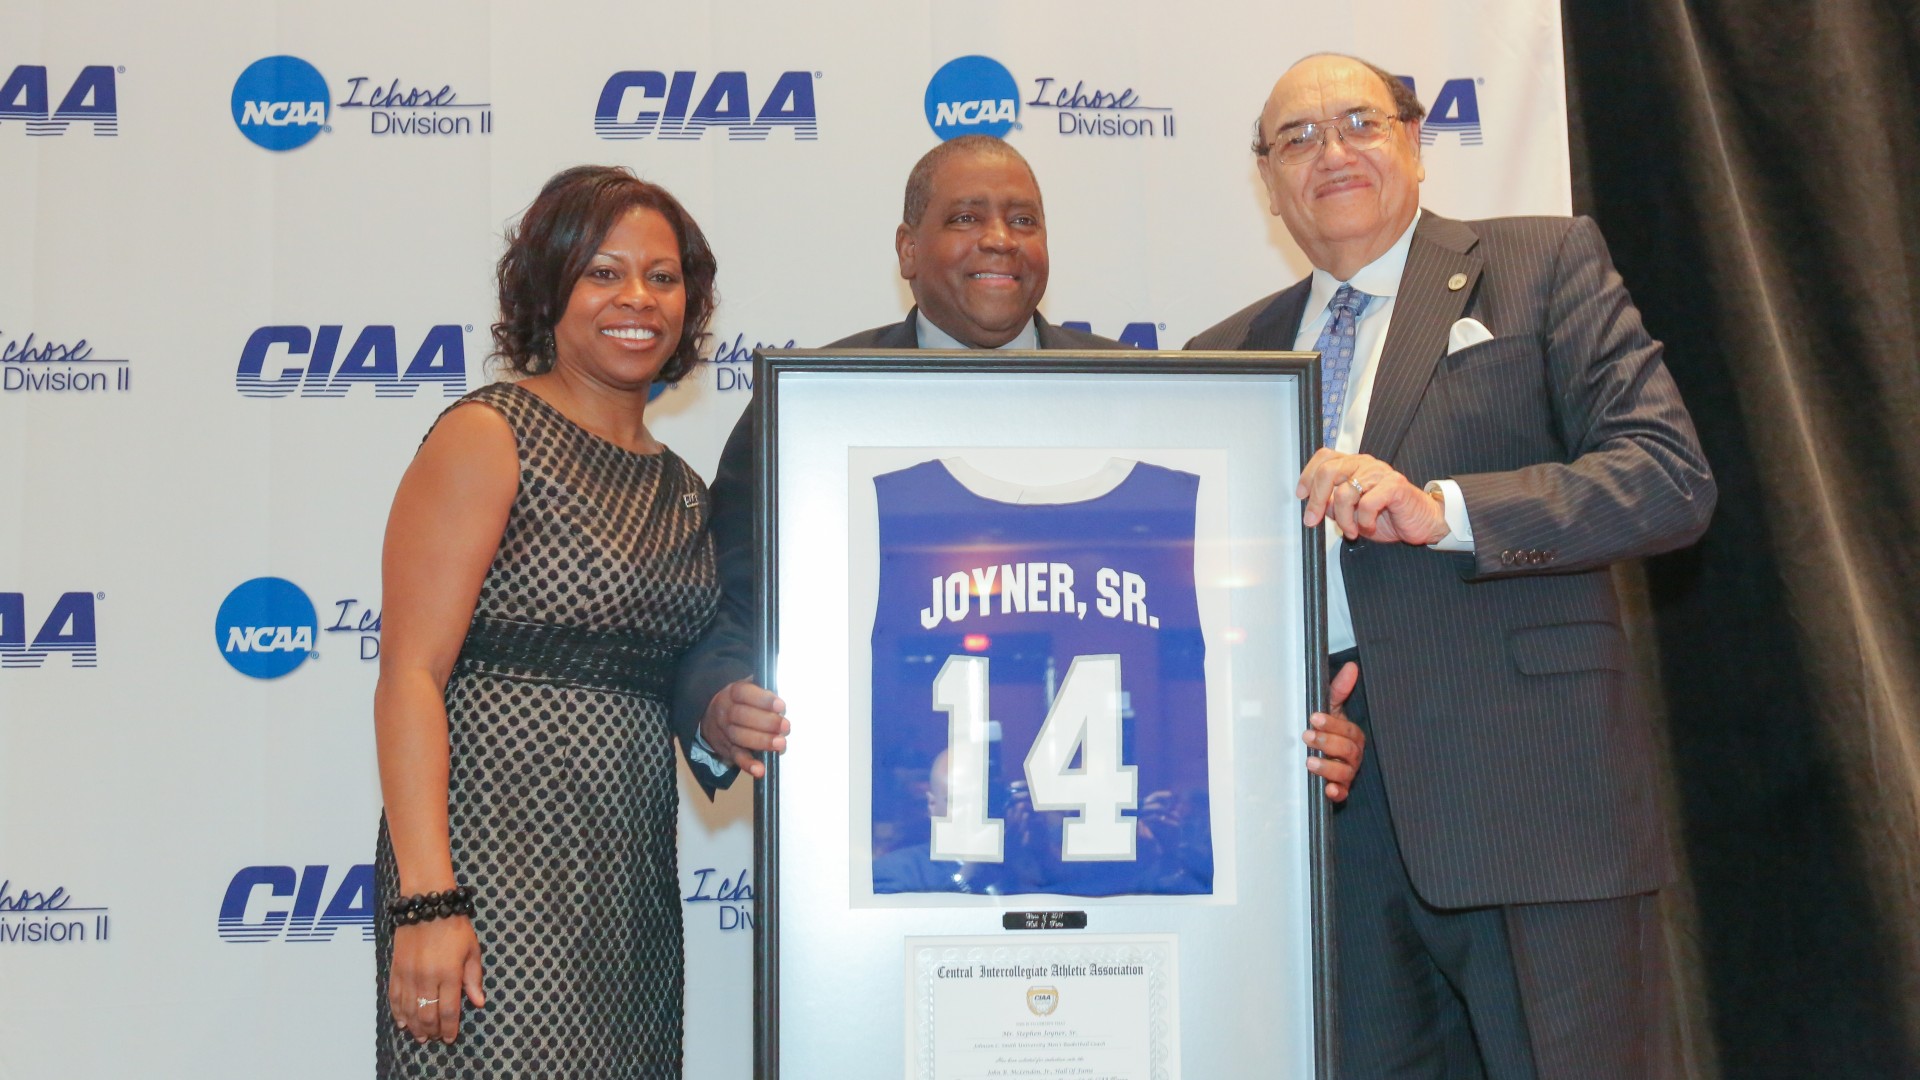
(1424, 310)
(1274, 329)
(901, 335)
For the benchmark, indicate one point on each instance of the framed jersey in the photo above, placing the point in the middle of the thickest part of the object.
(1036, 700)
(1049, 626)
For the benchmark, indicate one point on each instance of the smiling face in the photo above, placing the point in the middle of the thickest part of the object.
(624, 317)
(1344, 208)
(977, 258)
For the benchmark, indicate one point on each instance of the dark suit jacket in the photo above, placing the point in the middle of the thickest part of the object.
(727, 652)
(1516, 754)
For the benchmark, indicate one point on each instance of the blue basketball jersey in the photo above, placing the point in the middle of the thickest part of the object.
(1027, 599)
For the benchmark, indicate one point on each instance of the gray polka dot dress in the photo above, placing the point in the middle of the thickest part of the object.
(562, 797)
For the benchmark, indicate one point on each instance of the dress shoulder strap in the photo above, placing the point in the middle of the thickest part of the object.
(517, 406)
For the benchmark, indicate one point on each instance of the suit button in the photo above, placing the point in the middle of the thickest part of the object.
(1506, 558)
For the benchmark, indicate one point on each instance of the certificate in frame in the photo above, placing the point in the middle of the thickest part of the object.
(1049, 626)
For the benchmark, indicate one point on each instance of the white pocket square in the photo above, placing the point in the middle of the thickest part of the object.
(1466, 333)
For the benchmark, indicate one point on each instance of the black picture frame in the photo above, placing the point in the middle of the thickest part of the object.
(774, 370)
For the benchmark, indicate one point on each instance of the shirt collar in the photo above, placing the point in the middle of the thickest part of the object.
(1381, 277)
(930, 336)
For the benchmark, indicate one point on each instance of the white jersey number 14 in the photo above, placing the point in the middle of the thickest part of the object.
(1085, 717)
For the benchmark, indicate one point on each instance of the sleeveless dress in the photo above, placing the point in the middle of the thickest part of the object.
(562, 796)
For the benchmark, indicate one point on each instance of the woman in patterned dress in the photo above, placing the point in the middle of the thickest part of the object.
(546, 561)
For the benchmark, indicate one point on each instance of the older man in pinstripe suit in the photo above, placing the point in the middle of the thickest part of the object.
(1499, 429)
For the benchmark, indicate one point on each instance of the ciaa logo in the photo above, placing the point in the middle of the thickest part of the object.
(639, 104)
(972, 95)
(280, 102)
(266, 628)
(92, 98)
(267, 903)
(279, 361)
(1455, 111)
(67, 628)
(1139, 335)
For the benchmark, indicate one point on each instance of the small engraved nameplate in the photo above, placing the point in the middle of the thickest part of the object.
(1043, 920)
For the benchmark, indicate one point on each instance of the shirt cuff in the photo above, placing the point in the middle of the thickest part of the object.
(701, 754)
(1459, 528)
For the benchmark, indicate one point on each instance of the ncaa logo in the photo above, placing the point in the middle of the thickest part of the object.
(266, 628)
(280, 102)
(972, 95)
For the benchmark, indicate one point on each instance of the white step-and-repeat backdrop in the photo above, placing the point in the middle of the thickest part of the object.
(246, 256)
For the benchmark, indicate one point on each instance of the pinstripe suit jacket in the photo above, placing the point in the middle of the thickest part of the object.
(1515, 750)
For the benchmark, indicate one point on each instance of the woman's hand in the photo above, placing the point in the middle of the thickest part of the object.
(436, 961)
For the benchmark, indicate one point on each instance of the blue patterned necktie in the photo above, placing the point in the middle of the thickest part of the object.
(1336, 357)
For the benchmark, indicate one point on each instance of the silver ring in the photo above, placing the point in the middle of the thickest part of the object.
(422, 1003)
(1357, 485)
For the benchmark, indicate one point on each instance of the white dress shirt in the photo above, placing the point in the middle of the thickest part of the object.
(932, 337)
(1381, 280)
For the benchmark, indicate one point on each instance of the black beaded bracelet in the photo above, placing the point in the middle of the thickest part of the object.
(426, 907)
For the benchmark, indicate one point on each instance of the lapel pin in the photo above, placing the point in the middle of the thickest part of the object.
(690, 499)
(1456, 282)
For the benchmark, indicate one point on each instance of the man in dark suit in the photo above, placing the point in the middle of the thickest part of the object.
(1498, 429)
(972, 246)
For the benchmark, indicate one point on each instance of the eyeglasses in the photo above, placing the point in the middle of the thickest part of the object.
(1361, 129)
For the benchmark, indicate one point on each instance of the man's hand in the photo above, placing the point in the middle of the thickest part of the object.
(1368, 500)
(1338, 738)
(744, 721)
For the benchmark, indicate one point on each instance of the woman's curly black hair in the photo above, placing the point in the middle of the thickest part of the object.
(554, 242)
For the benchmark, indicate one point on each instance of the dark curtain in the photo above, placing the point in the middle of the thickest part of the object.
(1755, 166)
